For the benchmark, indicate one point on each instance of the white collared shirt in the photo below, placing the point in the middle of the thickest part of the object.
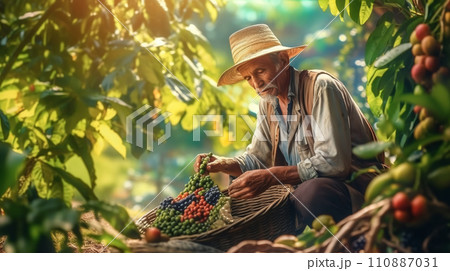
(331, 113)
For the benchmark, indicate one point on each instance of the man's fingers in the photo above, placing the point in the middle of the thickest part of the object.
(243, 193)
(213, 166)
(236, 186)
(198, 161)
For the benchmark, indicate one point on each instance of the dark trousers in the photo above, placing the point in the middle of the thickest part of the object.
(321, 196)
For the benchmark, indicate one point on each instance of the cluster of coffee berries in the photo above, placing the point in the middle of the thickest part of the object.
(406, 210)
(427, 68)
(427, 124)
(194, 210)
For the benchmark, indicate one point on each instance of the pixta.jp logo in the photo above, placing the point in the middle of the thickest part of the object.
(145, 121)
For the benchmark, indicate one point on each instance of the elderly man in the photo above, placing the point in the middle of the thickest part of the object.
(307, 126)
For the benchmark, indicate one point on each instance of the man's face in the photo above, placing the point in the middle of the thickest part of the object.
(259, 73)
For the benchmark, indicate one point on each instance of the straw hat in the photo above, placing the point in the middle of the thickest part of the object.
(250, 43)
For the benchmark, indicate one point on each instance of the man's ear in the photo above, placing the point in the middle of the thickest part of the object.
(284, 58)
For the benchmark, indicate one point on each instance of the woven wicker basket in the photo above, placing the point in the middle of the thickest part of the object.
(264, 217)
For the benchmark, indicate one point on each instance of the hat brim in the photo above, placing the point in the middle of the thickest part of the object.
(232, 76)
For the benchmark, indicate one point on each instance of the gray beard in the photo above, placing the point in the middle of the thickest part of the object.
(270, 98)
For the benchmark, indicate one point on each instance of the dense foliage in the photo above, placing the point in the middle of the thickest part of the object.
(407, 89)
(71, 71)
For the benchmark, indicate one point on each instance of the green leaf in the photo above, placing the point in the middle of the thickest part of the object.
(386, 86)
(324, 4)
(408, 119)
(194, 36)
(61, 190)
(42, 178)
(4, 125)
(108, 81)
(52, 214)
(353, 10)
(432, 9)
(308, 237)
(69, 82)
(365, 11)
(116, 215)
(374, 76)
(81, 146)
(86, 192)
(11, 164)
(150, 69)
(122, 56)
(188, 115)
(213, 9)
(67, 193)
(112, 138)
(195, 70)
(392, 109)
(52, 99)
(73, 112)
(158, 20)
(341, 4)
(385, 128)
(423, 100)
(41, 138)
(441, 96)
(381, 35)
(333, 7)
(391, 55)
(123, 109)
(371, 150)
(9, 94)
(415, 145)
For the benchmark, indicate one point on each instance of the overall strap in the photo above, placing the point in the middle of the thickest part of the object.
(307, 80)
(274, 130)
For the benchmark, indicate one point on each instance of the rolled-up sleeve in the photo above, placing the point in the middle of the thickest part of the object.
(306, 170)
(258, 152)
(331, 131)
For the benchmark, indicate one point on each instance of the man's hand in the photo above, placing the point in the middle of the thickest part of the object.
(218, 164)
(198, 162)
(251, 184)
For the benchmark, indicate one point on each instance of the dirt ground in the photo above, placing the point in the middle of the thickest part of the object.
(89, 245)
